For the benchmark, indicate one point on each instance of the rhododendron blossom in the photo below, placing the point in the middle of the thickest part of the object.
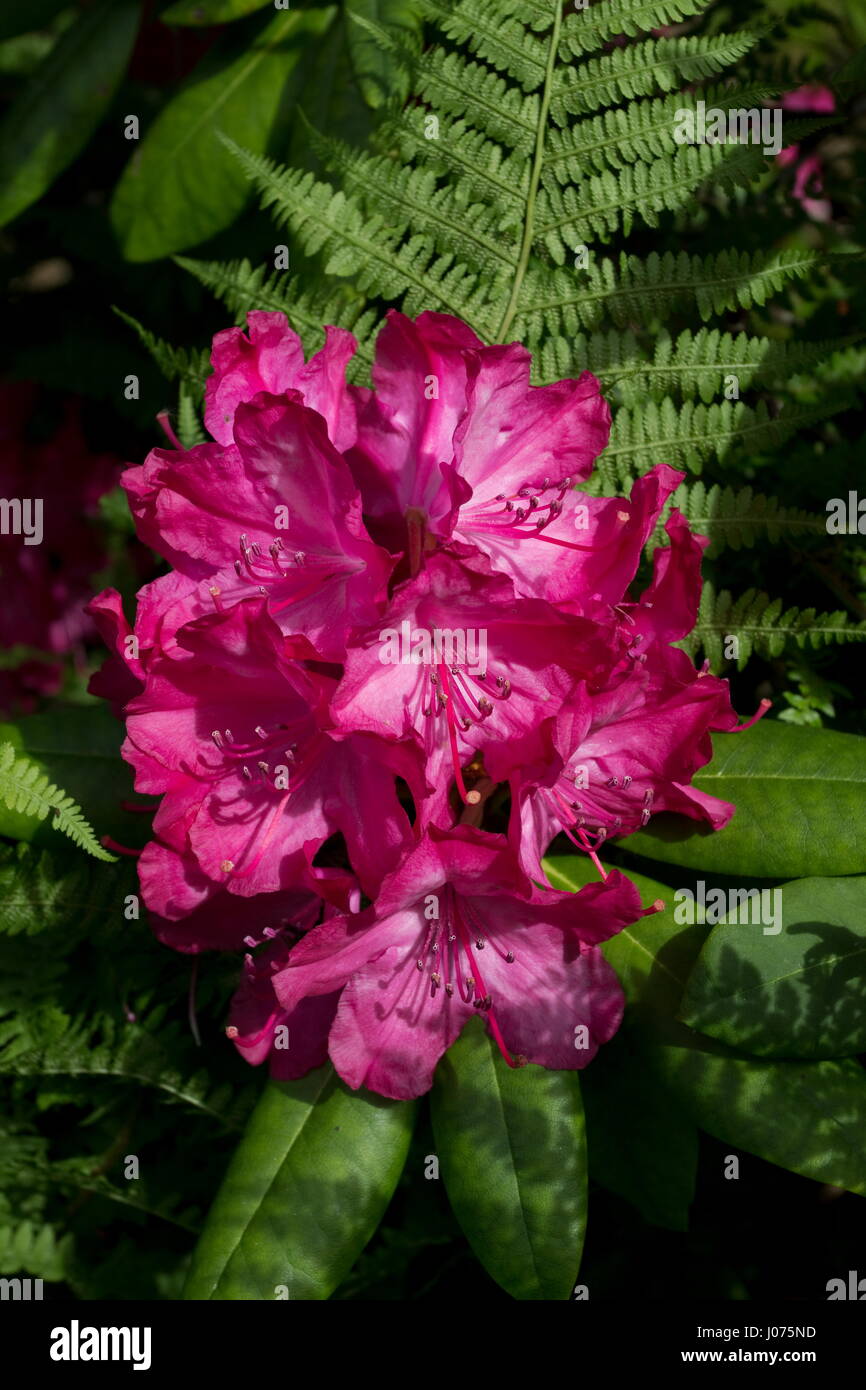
(388, 613)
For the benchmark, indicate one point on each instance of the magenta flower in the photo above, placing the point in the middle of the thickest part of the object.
(270, 358)
(292, 1040)
(454, 444)
(386, 611)
(275, 512)
(234, 736)
(520, 659)
(621, 754)
(458, 929)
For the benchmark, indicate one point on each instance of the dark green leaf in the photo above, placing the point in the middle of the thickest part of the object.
(512, 1149)
(183, 186)
(800, 992)
(375, 68)
(329, 98)
(641, 1144)
(305, 1191)
(800, 796)
(54, 116)
(202, 13)
(16, 18)
(807, 1117)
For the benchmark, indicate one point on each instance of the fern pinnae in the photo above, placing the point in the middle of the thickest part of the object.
(471, 90)
(603, 203)
(648, 289)
(736, 518)
(187, 365)
(761, 626)
(36, 1249)
(686, 437)
(332, 223)
(585, 31)
(483, 168)
(642, 68)
(24, 788)
(503, 43)
(241, 286)
(412, 197)
(693, 364)
(642, 131)
(190, 430)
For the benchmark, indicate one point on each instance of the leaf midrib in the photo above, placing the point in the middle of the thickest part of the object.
(789, 975)
(259, 55)
(312, 1112)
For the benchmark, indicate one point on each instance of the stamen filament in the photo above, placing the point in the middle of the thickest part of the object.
(759, 714)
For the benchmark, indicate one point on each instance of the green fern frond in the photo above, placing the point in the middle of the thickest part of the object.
(190, 430)
(736, 518)
(482, 169)
(641, 291)
(604, 203)
(131, 1053)
(26, 790)
(34, 1249)
(78, 1176)
(642, 68)
(332, 224)
(188, 365)
(583, 31)
(503, 41)
(760, 626)
(410, 196)
(451, 83)
(644, 130)
(687, 436)
(693, 364)
(241, 287)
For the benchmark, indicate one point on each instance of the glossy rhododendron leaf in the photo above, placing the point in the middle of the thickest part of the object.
(305, 1190)
(512, 1150)
(801, 807)
(58, 110)
(808, 1117)
(182, 185)
(789, 982)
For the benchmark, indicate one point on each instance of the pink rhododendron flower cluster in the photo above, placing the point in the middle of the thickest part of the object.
(390, 614)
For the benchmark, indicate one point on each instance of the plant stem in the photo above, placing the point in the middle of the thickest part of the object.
(538, 160)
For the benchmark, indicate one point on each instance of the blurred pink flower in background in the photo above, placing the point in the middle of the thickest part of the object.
(44, 586)
(808, 170)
